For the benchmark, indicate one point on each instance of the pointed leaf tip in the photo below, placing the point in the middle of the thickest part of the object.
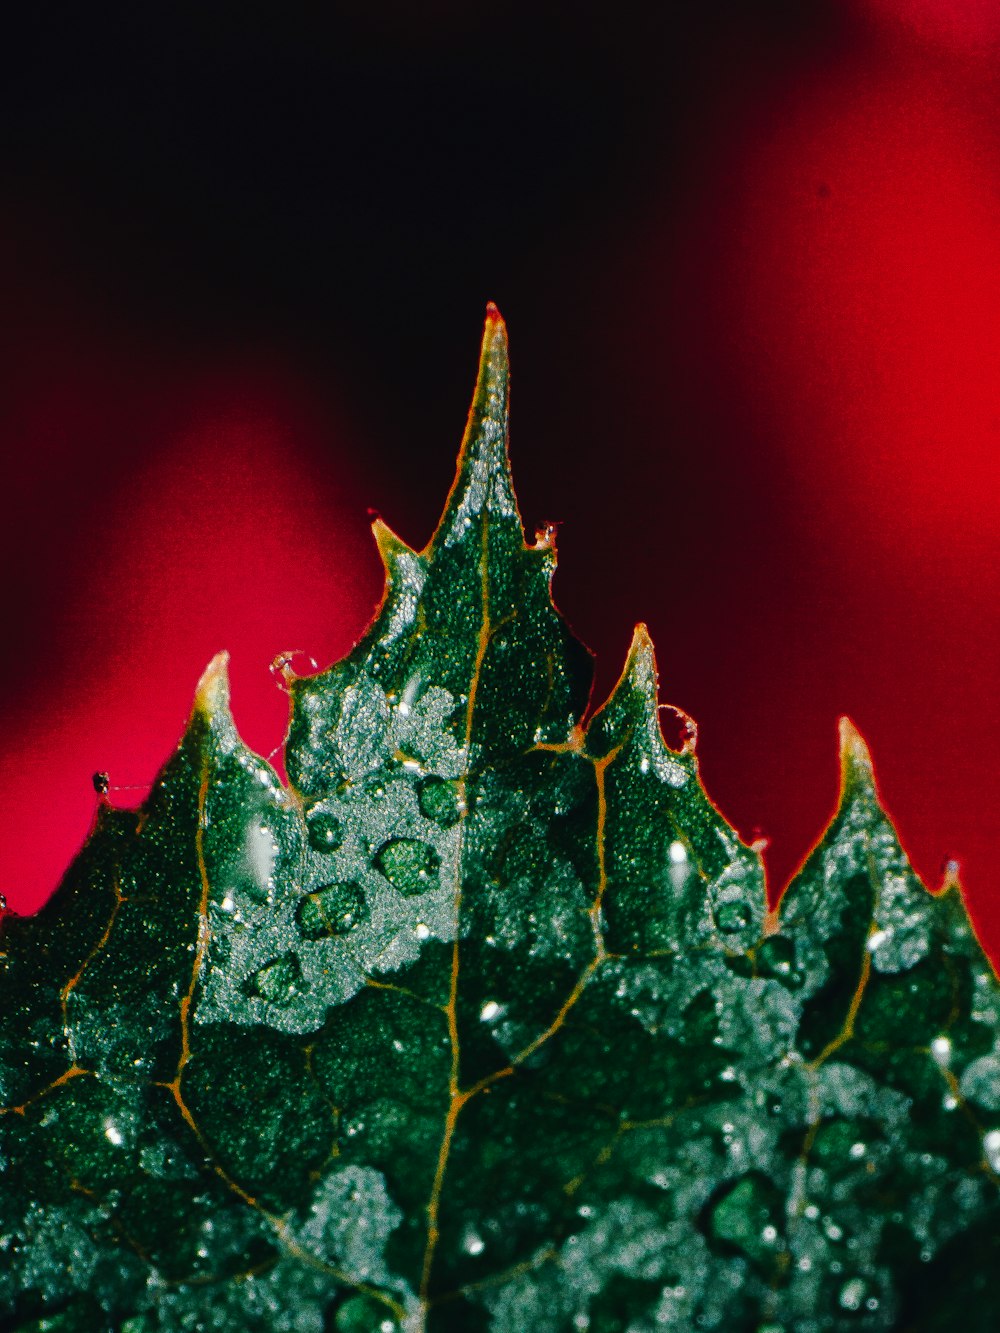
(482, 479)
(493, 356)
(212, 694)
(389, 544)
(855, 757)
(642, 643)
(640, 665)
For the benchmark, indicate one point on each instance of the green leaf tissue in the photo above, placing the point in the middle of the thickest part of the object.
(481, 1023)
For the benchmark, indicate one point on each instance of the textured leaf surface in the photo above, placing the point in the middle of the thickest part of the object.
(482, 1023)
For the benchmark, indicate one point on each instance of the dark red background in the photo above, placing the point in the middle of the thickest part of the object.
(750, 261)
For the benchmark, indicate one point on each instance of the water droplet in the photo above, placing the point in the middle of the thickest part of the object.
(277, 980)
(472, 1242)
(102, 782)
(439, 800)
(112, 1133)
(644, 764)
(228, 904)
(776, 958)
(261, 854)
(324, 831)
(490, 1011)
(422, 931)
(746, 1216)
(991, 1147)
(941, 1050)
(949, 1101)
(334, 909)
(857, 1150)
(409, 865)
(678, 853)
(852, 1293)
(876, 938)
(833, 1231)
(362, 1314)
(732, 916)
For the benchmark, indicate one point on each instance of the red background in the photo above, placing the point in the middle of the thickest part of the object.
(750, 262)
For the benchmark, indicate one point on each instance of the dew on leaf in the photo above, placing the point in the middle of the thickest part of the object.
(757, 1072)
(941, 1050)
(746, 1217)
(732, 917)
(852, 1294)
(335, 909)
(277, 980)
(980, 1082)
(991, 1148)
(411, 866)
(325, 831)
(472, 1242)
(439, 800)
(363, 1314)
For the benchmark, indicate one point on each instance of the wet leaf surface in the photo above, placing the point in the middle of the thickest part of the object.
(482, 1023)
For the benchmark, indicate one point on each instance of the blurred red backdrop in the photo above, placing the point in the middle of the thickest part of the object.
(755, 375)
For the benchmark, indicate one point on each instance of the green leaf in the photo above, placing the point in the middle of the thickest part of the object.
(482, 1023)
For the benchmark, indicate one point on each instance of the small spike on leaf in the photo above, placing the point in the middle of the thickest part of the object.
(483, 1023)
(212, 694)
(855, 757)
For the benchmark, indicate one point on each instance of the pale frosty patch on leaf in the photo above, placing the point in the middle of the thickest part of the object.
(349, 1222)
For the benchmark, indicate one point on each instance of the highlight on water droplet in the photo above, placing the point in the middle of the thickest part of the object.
(678, 853)
(941, 1050)
(852, 1293)
(490, 1011)
(472, 1242)
(261, 853)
